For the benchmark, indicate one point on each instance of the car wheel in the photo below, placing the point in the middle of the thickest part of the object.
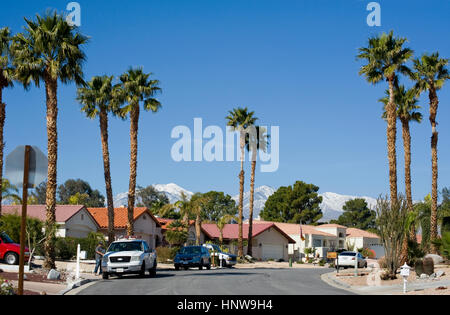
(208, 266)
(142, 272)
(153, 271)
(105, 276)
(224, 263)
(186, 268)
(200, 266)
(177, 267)
(12, 258)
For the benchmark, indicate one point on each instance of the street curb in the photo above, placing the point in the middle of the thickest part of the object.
(336, 283)
(76, 285)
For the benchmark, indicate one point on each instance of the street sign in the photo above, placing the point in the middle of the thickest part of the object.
(331, 255)
(14, 168)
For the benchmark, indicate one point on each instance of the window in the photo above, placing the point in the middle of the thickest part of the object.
(317, 243)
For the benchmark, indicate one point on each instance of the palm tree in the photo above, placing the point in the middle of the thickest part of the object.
(6, 73)
(10, 192)
(198, 202)
(48, 51)
(430, 75)
(254, 143)
(406, 102)
(136, 87)
(240, 119)
(221, 223)
(386, 58)
(98, 100)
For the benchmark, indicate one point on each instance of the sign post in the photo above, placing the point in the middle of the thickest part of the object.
(26, 166)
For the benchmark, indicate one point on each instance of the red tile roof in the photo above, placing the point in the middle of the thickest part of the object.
(294, 229)
(231, 231)
(331, 226)
(63, 212)
(166, 222)
(352, 232)
(120, 216)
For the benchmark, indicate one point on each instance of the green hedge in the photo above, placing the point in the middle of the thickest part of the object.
(166, 254)
(66, 247)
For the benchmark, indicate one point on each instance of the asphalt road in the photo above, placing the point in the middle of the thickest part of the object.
(219, 282)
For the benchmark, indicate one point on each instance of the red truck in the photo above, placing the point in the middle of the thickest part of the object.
(10, 251)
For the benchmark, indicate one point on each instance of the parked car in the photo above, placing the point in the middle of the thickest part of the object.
(192, 256)
(226, 259)
(129, 256)
(347, 259)
(10, 251)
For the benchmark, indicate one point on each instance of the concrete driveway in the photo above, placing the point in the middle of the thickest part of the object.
(218, 282)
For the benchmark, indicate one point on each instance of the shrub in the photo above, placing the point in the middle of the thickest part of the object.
(418, 267)
(415, 252)
(66, 247)
(322, 263)
(445, 245)
(300, 262)
(6, 288)
(428, 266)
(166, 254)
(366, 252)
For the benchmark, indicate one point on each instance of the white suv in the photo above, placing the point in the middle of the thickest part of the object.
(225, 259)
(129, 256)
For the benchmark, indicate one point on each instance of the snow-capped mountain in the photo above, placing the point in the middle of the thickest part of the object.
(331, 205)
(261, 195)
(172, 191)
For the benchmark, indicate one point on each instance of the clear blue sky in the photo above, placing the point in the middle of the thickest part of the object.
(291, 61)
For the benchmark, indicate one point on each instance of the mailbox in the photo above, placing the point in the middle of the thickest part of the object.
(404, 270)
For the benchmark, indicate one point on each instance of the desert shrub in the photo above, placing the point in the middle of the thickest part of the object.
(66, 247)
(366, 252)
(382, 263)
(166, 254)
(300, 262)
(418, 267)
(428, 266)
(445, 245)
(322, 263)
(415, 252)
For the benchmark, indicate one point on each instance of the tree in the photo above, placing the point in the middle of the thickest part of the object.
(176, 234)
(406, 102)
(39, 194)
(6, 73)
(240, 120)
(77, 187)
(221, 223)
(422, 220)
(198, 202)
(299, 203)
(98, 100)
(136, 87)
(10, 192)
(386, 58)
(152, 199)
(217, 206)
(392, 221)
(255, 141)
(430, 75)
(49, 50)
(357, 215)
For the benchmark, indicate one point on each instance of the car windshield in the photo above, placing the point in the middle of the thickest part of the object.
(125, 247)
(347, 254)
(190, 250)
(6, 239)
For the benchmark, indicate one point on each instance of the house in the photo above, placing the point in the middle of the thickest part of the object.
(146, 226)
(327, 237)
(192, 235)
(268, 240)
(72, 221)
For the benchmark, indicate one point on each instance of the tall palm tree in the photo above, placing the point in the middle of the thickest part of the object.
(430, 74)
(198, 202)
(98, 100)
(240, 120)
(406, 101)
(6, 73)
(135, 88)
(254, 143)
(386, 58)
(49, 50)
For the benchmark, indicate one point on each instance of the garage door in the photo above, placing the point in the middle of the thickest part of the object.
(272, 252)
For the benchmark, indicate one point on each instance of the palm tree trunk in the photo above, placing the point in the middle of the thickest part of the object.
(407, 150)
(51, 87)
(241, 199)
(434, 102)
(221, 239)
(107, 172)
(2, 144)
(250, 217)
(197, 229)
(391, 141)
(134, 119)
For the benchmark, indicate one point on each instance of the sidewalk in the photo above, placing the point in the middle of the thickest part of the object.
(417, 287)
